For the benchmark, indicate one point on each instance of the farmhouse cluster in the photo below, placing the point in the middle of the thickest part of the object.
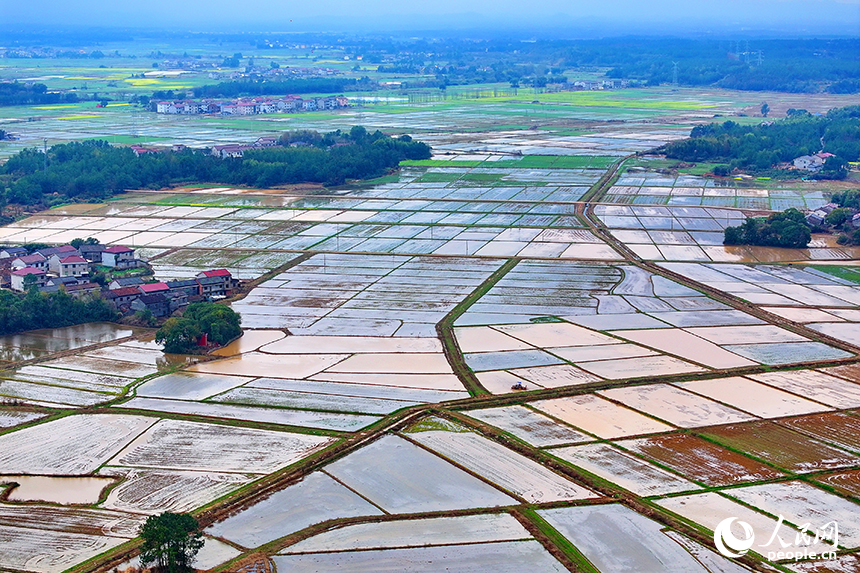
(251, 106)
(73, 270)
(818, 217)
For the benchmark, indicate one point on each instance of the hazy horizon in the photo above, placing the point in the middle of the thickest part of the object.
(554, 17)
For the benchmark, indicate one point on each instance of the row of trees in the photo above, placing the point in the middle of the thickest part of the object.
(95, 170)
(761, 147)
(218, 322)
(786, 229)
(20, 312)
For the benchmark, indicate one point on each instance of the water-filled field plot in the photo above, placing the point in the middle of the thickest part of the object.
(623, 469)
(709, 509)
(510, 471)
(615, 538)
(800, 503)
(600, 417)
(782, 447)
(315, 499)
(695, 234)
(504, 557)
(410, 479)
(181, 445)
(155, 490)
(530, 426)
(680, 408)
(700, 460)
(416, 533)
(76, 444)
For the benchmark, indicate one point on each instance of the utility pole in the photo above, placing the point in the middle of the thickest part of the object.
(45, 150)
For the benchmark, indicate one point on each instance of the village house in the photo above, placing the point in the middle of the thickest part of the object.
(153, 288)
(156, 304)
(122, 297)
(36, 260)
(19, 277)
(119, 257)
(125, 282)
(217, 282)
(70, 266)
(811, 163)
(188, 287)
(12, 252)
(92, 253)
(82, 289)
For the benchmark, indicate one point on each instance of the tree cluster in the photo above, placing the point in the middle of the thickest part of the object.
(218, 322)
(761, 147)
(34, 309)
(13, 93)
(94, 170)
(170, 542)
(252, 87)
(787, 229)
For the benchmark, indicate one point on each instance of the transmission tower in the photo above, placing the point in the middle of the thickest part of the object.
(674, 76)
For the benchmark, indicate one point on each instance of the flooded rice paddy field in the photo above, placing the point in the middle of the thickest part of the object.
(652, 188)
(546, 324)
(695, 234)
(650, 390)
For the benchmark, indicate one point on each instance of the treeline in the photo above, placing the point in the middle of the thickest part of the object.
(95, 170)
(761, 147)
(48, 310)
(280, 87)
(13, 93)
(786, 229)
(794, 65)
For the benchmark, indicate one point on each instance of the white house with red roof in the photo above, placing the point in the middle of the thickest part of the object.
(119, 257)
(68, 266)
(19, 276)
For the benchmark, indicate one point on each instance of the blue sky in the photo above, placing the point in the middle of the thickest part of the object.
(841, 17)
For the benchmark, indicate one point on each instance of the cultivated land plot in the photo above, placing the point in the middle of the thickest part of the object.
(9, 418)
(615, 538)
(503, 467)
(181, 445)
(700, 460)
(504, 557)
(709, 509)
(188, 385)
(802, 503)
(600, 417)
(407, 479)
(316, 498)
(72, 445)
(530, 426)
(847, 482)
(781, 447)
(49, 551)
(416, 533)
(156, 491)
(814, 385)
(835, 428)
(623, 469)
(680, 408)
(280, 416)
(753, 397)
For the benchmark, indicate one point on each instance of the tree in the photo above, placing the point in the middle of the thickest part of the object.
(178, 335)
(764, 109)
(170, 542)
(218, 321)
(837, 217)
